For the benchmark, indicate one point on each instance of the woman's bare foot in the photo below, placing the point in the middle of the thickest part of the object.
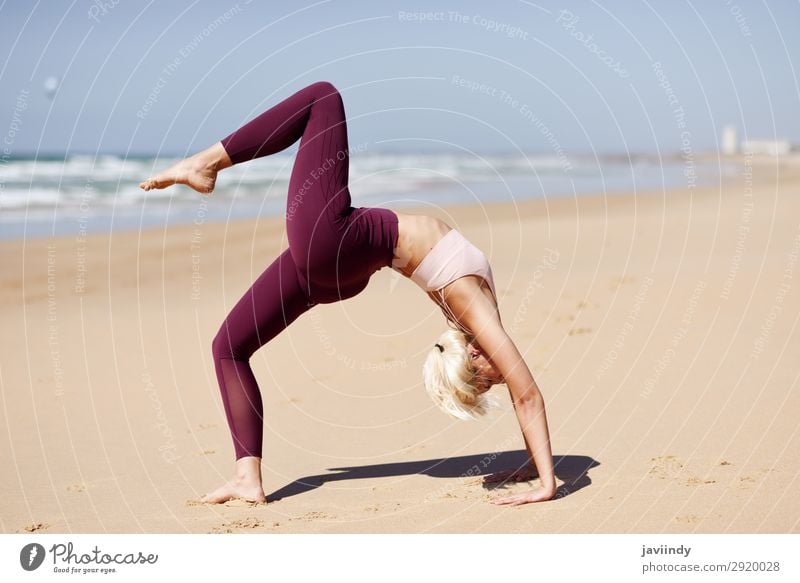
(245, 485)
(198, 172)
(235, 489)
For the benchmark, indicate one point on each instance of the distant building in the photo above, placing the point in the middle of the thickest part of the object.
(729, 143)
(767, 147)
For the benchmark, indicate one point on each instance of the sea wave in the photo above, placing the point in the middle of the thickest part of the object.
(107, 184)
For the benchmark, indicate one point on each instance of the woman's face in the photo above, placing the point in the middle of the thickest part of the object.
(484, 368)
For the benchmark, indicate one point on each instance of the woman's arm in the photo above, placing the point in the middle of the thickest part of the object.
(521, 474)
(476, 311)
(528, 404)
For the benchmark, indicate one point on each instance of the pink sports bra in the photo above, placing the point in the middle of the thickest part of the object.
(452, 257)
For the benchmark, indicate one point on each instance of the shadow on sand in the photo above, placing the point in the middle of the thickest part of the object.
(572, 470)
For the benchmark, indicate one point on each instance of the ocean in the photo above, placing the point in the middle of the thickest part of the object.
(75, 194)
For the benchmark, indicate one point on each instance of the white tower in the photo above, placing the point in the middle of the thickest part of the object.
(728, 142)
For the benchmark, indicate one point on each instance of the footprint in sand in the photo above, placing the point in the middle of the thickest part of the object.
(747, 482)
(231, 527)
(665, 466)
(35, 527)
(315, 515)
(669, 466)
(386, 508)
(694, 481)
(579, 331)
(619, 281)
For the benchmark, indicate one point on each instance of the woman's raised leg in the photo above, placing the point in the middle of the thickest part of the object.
(318, 194)
(318, 105)
(318, 183)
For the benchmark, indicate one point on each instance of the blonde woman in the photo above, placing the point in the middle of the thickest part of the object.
(334, 249)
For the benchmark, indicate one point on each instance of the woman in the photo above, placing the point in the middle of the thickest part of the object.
(333, 250)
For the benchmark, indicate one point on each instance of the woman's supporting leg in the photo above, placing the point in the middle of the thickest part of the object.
(273, 302)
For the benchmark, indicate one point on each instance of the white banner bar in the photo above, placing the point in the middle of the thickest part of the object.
(353, 558)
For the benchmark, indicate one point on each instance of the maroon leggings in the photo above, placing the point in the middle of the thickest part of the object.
(334, 248)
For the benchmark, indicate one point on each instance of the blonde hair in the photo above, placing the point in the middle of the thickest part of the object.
(450, 378)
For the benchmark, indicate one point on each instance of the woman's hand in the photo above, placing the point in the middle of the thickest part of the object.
(538, 495)
(519, 475)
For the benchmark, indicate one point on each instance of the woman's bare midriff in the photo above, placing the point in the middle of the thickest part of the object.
(416, 236)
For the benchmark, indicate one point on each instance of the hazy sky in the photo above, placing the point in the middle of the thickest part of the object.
(613, 77)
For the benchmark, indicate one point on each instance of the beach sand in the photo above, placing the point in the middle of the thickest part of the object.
(660, 327)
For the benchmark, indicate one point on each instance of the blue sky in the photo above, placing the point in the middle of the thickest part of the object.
(174, 77)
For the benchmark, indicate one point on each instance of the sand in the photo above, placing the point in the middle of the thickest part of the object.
(661, 328)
